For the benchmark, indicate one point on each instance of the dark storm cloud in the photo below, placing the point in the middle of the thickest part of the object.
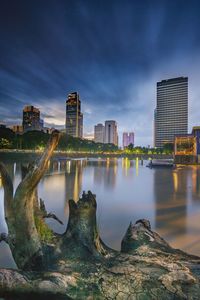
(112, 52)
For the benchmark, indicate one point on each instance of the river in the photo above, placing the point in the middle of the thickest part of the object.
(126, 190)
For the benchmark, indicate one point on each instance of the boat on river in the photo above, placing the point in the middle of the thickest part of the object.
(166, 163)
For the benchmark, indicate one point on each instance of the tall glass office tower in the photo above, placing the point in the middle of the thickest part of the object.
(171, 114)
(74, 117)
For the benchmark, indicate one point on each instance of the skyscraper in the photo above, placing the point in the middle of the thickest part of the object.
(154, 127)
(131, 138)
(171, 115)
(99, 133)
(74, 117)
(128, 138)
(31, 118)
(111, 135)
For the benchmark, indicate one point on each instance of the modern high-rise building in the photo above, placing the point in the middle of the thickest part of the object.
(171, 114)
(154, 127)
(74, 117)
(31, 118)
(111, 135)
(99, 133)
(131, 138)
(128, 138)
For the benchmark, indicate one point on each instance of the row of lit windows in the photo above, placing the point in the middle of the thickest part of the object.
(171, 108)
(179, 90)
(168, 88)
(169, 93)
(172, 112)
(172, 101)
(175, 85)
(168, 125)
(174, 117)
(166, 128)
(172, 97)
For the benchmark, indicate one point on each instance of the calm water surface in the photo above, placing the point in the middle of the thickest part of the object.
(126, 191)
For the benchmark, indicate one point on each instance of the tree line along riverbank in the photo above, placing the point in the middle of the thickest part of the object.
(36, 141)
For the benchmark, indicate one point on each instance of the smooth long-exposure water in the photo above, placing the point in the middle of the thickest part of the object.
(126, 191)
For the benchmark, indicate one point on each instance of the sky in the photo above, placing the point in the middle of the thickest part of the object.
(111, 51)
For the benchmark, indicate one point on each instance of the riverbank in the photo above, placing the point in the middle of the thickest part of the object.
(32, 154)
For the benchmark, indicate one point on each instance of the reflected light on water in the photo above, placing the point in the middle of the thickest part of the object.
(137, 166)
(126, 164)
(76, 185)
(175, 179)
(107, 162)
(68, 166)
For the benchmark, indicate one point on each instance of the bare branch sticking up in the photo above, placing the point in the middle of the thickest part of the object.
(45, 214)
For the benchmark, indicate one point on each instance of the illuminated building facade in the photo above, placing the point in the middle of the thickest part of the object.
(74, 117)
(111, 135)
(171, 114)
(31, 118)
(99, 133)
(187, 147)
(128, 138)
(196, 133)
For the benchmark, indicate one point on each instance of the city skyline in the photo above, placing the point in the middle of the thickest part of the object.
(170, 94)
(114, 62)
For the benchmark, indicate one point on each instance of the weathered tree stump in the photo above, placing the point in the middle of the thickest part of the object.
(81, 238)
(77, 264)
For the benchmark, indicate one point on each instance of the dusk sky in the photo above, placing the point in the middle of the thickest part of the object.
(111, 51)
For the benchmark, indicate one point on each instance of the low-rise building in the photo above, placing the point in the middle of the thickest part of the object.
(187, 147)
(17, 129)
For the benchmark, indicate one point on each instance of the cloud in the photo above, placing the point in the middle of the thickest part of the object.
(111, 52)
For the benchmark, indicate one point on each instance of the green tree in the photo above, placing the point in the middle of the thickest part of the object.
(5, 143)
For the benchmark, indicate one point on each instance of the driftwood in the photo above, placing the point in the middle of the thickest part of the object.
(77, 264)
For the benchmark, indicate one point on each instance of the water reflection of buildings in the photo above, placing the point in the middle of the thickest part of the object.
(73, 179)
(67, 175)
(195, 183)
(170, 191)
(127, 166)
(105, 171)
